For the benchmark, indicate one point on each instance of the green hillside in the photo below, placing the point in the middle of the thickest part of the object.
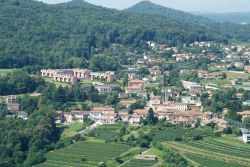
(34, 33)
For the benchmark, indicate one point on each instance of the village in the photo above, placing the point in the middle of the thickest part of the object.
(147, 82)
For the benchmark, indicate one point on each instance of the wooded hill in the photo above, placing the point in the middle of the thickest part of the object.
(66, 35)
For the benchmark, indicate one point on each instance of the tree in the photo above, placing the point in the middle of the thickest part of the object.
(246, 122)
(224, 75)
(125, 79)
(122, 131)
(151, 119)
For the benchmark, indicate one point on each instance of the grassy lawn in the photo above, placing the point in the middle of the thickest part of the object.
(85, 154)
(58, 84)
(86, 82)
(72, 130)
(213, 152)
(4, 72)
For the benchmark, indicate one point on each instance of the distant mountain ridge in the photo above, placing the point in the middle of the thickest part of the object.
(235, 17)
(150, 8)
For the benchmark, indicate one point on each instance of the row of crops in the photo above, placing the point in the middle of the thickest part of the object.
(84, 154)
(213, 152)
(170, 133)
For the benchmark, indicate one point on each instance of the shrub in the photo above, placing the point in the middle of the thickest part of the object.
(198, 137)
(178, 139)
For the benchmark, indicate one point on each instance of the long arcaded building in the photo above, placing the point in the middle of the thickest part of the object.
(72, 75)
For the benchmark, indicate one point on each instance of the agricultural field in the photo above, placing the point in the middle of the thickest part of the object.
(139, 163)
(4, 72)
(237, 75)
(84, 154)
(170, 133)
(216, 82)
(212, 152)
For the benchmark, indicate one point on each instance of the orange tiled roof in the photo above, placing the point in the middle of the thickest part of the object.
(244, 113)
(141, 111)
(136, 81)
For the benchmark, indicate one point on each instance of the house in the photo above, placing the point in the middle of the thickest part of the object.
(246, 103)
(177, 106)
(137, 83)
(127, 102)
(133, 89)
(13, 107)
(107, 76)
(244, 114)
(124, 115)
(23, 115)
(103, 115)
(182, 120)
(59, 118)
(247, 69)
(156, 100)
(103, 89)
(123, 95)
(12, 99)
(141, 112)
(75, 117)
(181, 57)
(135, 119)
(246, 138)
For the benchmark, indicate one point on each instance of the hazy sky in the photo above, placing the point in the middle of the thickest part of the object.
(185, 5)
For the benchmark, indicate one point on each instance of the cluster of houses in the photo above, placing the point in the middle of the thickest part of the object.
(14, 107)
(73, 75)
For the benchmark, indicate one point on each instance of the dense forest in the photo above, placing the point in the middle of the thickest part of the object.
(34, 33)
(227, 29)
(26, 144)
